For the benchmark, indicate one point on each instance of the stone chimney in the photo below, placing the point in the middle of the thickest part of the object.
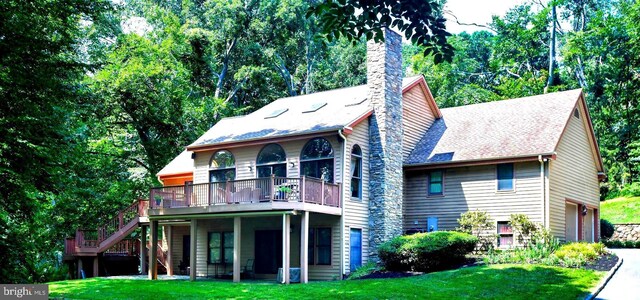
(384, 79)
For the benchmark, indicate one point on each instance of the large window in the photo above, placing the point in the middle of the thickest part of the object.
(220, 247)
(436, 183)
(316, 159)
(271, 161)
(505, 177)
(320, 246)
(222, 167)
(356, 172)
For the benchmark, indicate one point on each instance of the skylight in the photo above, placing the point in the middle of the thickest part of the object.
(276, 113)
(314, 107)
(356, 101)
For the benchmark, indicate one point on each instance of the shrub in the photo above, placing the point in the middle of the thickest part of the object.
(363, 270)
(577, 254)
(523, 227)
(542, 244)
(426, 251)
(606, 229)
(477, 223)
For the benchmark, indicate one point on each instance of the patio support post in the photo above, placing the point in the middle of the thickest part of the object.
(80, 268)
(237, 230)
(96, 269)
(143, 250)
(192, 255)
(169, 233)
(286, 235)
(304, 248)
(153, 255)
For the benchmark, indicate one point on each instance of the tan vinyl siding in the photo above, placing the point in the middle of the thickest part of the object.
(470, 189)
(573, 175)
(417, 117)
(249, 227)
(246, 156)
(356, 211)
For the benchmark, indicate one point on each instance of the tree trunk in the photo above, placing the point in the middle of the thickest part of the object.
(552, 49)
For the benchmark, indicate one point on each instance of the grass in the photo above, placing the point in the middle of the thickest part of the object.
(482, 282)
(621, 210)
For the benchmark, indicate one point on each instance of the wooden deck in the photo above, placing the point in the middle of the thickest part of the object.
(259, 194)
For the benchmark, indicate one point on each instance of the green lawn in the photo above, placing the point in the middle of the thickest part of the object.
(621, 210)
(484, 282)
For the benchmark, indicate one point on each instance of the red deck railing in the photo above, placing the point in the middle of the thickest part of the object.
(303, 189)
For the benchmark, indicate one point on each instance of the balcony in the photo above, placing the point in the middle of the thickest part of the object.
(271, 193)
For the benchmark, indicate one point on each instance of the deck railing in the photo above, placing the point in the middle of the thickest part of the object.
(283, 189)
(91, 238)
(126, 247)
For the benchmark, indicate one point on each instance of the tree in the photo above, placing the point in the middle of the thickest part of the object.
(421, 22)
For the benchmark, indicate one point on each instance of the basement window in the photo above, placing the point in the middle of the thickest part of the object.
(505, 234)
(276, 113)
(314, 107)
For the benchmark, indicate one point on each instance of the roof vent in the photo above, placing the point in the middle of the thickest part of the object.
(314, 107)
(576, 113)
(276, 113)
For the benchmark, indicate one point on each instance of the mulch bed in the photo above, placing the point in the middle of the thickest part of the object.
(603, 263)
(471, 261)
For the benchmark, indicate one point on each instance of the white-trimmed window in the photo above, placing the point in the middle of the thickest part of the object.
(505, 234)
(435, 183)
(356, 172)
(505, 177)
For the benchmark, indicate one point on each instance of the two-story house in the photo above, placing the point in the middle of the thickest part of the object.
(309, 186)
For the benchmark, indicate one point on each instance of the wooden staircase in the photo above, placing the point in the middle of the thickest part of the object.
(91, 242)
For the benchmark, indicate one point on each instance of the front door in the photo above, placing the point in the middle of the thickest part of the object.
(268, 251)
(355, 253)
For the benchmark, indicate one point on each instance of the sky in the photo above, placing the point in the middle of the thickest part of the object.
(475, 11)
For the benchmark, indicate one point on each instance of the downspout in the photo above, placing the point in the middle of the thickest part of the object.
(543, 197)
(344, 159)
(547, 196)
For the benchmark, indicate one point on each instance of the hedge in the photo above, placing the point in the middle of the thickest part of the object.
(424, 252)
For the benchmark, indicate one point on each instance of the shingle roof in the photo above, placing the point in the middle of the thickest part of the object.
(501, 129)
(343, 107)
(181, 164)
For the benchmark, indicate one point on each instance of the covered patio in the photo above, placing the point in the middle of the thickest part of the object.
(258, 245)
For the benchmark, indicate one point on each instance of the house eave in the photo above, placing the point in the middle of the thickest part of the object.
(478, 162)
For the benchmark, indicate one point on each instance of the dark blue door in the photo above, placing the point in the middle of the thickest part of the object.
(356, 249)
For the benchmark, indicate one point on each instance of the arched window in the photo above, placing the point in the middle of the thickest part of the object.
(316, 159)
(222, 167)
(271, 160)
(356, 172)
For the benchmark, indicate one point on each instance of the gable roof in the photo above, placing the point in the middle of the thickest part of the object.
(508, 129)
(320, 112)
(179, 165)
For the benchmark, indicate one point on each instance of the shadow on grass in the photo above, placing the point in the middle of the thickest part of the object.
(483, 282)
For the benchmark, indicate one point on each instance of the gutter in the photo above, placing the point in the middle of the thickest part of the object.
(342, 229)
(477, 162)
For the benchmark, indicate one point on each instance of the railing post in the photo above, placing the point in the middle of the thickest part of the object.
(120, 221)
(211, 190)
(152, 196)
(302, 188)
(272, 187)
(339, 200)
(227, 192)
(173, 200)
(322, 191)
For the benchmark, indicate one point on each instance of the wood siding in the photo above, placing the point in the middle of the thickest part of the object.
(573, 175)
(470, 189)
(246, 156)
(356, 211)
(417, 118)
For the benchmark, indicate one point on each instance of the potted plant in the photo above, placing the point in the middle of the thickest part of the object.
(283, 191)
(158, 199)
